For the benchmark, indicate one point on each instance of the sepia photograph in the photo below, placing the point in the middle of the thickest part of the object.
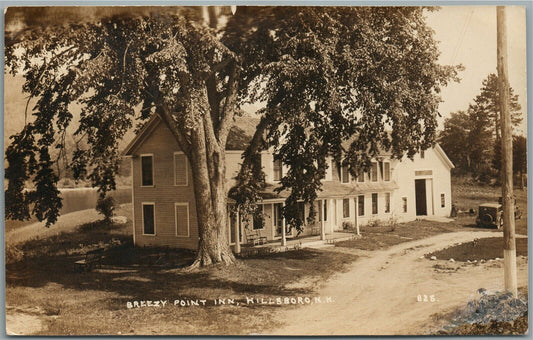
(265, 170)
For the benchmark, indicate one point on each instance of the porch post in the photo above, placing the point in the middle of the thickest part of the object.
(356, 202)
(237, 234)
(322, 227)
(283, 238)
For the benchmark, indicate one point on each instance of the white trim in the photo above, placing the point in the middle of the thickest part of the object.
(186, 169)
(133, 203)
(182, 204)
(142, 218)
(440, 152)
(430, 176)
(153, 169)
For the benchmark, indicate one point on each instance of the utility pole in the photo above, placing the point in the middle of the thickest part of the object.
(509, 245)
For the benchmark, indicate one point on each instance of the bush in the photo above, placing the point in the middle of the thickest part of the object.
(374, 223)
(106, 206)
(348, 225)
(392, 223)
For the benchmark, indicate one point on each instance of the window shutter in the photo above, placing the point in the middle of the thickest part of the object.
(180, 169)
(182, 220)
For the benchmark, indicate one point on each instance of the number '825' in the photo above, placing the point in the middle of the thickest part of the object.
(425, 298)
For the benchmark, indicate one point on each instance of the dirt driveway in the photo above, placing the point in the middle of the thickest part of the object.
(378, 296)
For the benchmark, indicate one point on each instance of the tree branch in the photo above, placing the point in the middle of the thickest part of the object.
(228, 112)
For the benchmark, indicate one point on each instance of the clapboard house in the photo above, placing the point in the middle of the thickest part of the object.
(164, 206)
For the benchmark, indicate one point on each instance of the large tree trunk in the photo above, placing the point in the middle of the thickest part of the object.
(211, 212)
(209, 168)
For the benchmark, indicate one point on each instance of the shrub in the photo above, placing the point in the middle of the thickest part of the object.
(106, 207)
(373, 223)
(348, 225)
(392, 223)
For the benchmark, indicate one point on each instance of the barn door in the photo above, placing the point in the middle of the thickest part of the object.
(420, 193)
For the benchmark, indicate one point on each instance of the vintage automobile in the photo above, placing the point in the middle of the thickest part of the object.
(491, 215)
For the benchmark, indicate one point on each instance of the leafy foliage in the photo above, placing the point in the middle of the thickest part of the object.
(472, 138)
(343, 82)
(106, 206)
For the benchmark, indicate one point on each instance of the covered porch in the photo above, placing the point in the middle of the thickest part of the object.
(296, 243)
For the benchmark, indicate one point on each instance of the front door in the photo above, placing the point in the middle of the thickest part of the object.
(420, 193)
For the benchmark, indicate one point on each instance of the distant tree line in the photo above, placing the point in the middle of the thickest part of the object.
(471, 138)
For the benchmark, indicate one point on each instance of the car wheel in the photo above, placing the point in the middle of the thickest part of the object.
(487, 218)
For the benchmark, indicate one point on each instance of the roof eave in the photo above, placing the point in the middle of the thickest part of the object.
(139, 137)
(443, 156)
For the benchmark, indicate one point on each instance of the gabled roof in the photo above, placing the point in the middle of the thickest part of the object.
(239, 137)
(442, 155)
(143, 133)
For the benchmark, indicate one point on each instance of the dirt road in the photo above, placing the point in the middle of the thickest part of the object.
(378, 295)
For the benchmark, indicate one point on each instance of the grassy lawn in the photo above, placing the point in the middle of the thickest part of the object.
(466, 196)
(95, 302)
(14, 224)
(383, 237)
(482, 249)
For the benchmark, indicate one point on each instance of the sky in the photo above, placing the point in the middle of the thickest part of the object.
(467, 36)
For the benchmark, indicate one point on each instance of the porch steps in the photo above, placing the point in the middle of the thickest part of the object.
(326, 243)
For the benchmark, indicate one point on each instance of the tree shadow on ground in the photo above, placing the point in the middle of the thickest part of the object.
(123, 275)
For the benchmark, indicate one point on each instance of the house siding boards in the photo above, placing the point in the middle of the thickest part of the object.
(163, 193)
(170, 197)
(437, 182)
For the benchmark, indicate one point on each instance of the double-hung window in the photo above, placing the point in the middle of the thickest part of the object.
(387, 202)
(374, 172)
(345, 174)
(361, 205)
(386, 171)
(278, 169)
(147, 170)
(148, 218)
(346, 208)
(374, 203)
